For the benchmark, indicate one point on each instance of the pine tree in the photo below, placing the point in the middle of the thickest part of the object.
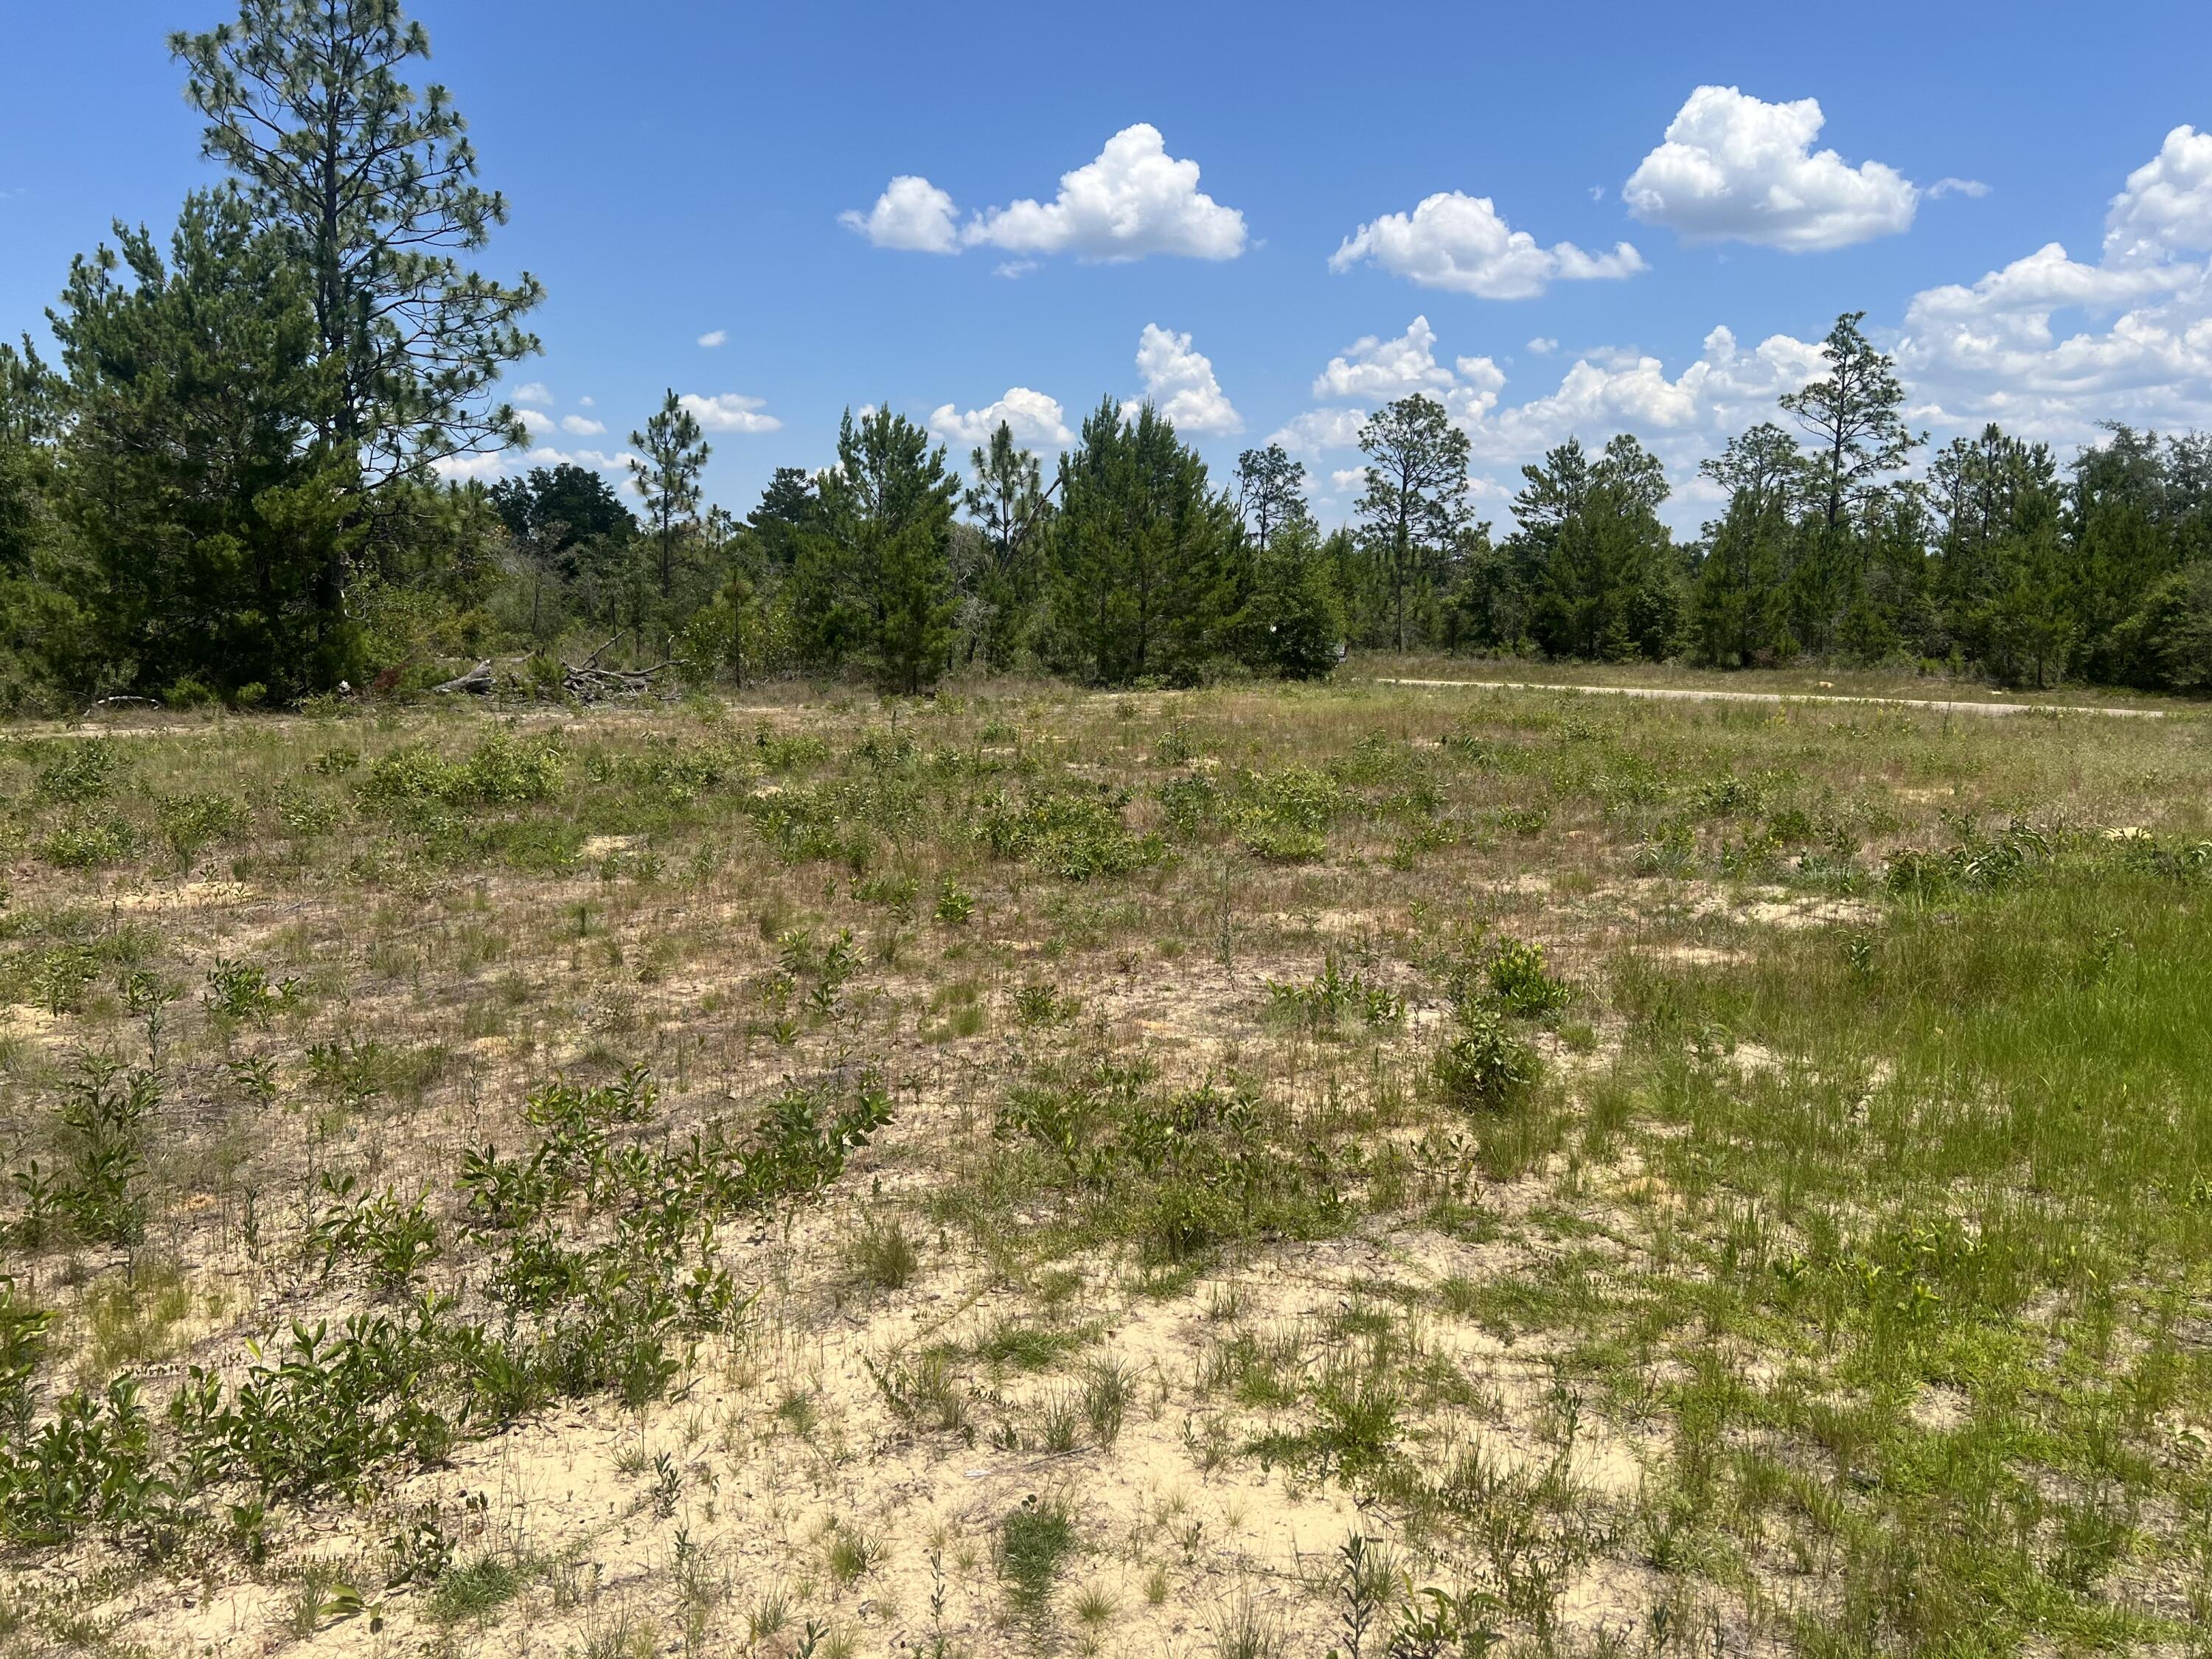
(1736, 615)
(190, 471)
(372, 190)
(874, 576)
(1270, 493)
(1853, 416)
(1145, 568)
(1014, 511)
(667, 477)
(1415, 502)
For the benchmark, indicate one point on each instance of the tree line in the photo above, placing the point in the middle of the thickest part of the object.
(227, 485)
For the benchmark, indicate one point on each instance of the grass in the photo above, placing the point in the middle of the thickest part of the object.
(1744, 1168)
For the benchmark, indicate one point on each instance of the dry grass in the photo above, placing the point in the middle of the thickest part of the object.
(1661, 1176)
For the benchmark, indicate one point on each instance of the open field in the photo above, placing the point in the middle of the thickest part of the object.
(1244, 1172)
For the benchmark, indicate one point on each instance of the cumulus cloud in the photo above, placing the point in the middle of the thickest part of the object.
(535, 424)
(492, 464)
(1682, 417)
(2051, 346)
(1725, 390)
(2167, 205)
(1132, 200)
(728, 411)
(1033, 417)
(1371, 367)
(714, 337)
(911, 214)
(582, 426)
(1460, 243)
(535, 393)
(1318, 430)
(1542, 346)
(1943, 187)
(1733, 169)
(1179, 382)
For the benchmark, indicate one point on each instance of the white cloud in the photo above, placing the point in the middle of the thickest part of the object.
(492, 464)
(714, 337)
(1133, 200)
(535, 393)
(1033, 417)
(729, 411)
(1460, 243)
(1371, 367)
(1733, 169)
(535, 424)
(2051, 346)
(2167, 205)
(911, 214)
(1680, 418)
(1181, 383)
(1320, 429)
(1542, 346)
(582, 426)
(482, 464)
(1943, 187)
(598, 460)
(1602, 393)
(1348, 478)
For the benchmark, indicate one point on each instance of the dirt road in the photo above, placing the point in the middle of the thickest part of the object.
(1685, 694)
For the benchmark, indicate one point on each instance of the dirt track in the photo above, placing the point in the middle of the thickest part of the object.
(1691, 694)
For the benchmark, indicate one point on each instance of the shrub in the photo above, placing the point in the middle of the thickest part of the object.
(76, 773)
(1076, 837)
(1485, 1067)
(1518, 981)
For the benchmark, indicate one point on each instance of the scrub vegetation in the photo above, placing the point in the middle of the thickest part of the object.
(1384, 1169)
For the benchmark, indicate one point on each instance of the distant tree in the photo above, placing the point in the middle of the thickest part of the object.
(372, 190)
(1603, 578)
(1145, 581)
(1736, 613)
(786, 506)
(558, 519)
(1853, 416)
(1270, 493)
(1012, 510)
(1290, 625)
(1415, 502)
(667, 477)
(874, 574)
(191, 469)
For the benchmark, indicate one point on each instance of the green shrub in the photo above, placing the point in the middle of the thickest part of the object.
(79, 772)
(1485, 1067)
(1518, 979)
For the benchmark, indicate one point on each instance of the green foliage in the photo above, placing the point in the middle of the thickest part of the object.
(243, 990)
(22, 1348)
(191, 822)
(1518, 979)
(103, 1113)
(1319, 1005)
(79, 771)
(1035, 1541)
(1147, 564)
(411, 783)
(1075, 837)
(874, 576)
(1485, 1067)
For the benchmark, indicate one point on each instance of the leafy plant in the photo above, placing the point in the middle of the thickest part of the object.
(1485, 1067)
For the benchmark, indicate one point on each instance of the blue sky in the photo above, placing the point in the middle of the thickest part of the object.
(679, 170)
